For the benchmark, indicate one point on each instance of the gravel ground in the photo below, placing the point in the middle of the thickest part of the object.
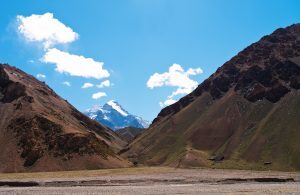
(160, 181)
(241, 188)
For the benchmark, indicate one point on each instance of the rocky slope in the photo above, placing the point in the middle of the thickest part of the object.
(114, 116)
(39, 131)
(245, 115)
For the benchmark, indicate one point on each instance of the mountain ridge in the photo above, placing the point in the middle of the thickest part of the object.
(218, 87)
(40, 131)
(245, 115)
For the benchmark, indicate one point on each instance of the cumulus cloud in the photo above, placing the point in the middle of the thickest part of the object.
(67, 83)
(75, 65)
(40, 76)
(49, 31)
(103, 84)
(98, 95)
(87, 85)
(167, 103)
(45, 29)
(175, 77)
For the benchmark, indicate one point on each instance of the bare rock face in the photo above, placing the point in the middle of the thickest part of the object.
(46, 133)
(9, 90)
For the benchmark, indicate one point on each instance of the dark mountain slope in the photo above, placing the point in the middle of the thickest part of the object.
(39, 131)
(245, 115)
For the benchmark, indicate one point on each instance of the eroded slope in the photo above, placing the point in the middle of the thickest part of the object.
(39, 131)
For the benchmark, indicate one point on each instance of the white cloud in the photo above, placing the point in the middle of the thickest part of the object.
(75, 65)
(195, 71)
(45, 29)
(175, 77)
(67, 83)
(40, 76)
(167, 102)
(87, 85)
(49, 31)
(103, 84)
(98, 95)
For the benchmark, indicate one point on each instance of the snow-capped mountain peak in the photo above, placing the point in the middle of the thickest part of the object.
(117, 107)
(114, 116)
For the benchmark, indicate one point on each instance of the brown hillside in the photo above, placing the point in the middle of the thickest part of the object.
(39, 131)
(245, 115)
(129, 133)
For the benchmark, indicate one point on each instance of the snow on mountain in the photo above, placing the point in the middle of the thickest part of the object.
(114, 116)
(117, 107)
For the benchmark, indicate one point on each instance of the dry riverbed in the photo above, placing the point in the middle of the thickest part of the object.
(151, 180)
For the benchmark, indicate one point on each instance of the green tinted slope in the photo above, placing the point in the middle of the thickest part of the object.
(246, 134)
(245, 115)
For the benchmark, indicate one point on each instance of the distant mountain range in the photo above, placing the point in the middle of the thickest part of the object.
(114, 116)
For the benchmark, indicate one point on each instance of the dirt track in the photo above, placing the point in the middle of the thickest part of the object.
(157, 181)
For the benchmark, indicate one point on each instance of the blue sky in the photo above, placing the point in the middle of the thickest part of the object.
(136, 39)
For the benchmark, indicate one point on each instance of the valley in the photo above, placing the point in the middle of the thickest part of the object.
(235, 130)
